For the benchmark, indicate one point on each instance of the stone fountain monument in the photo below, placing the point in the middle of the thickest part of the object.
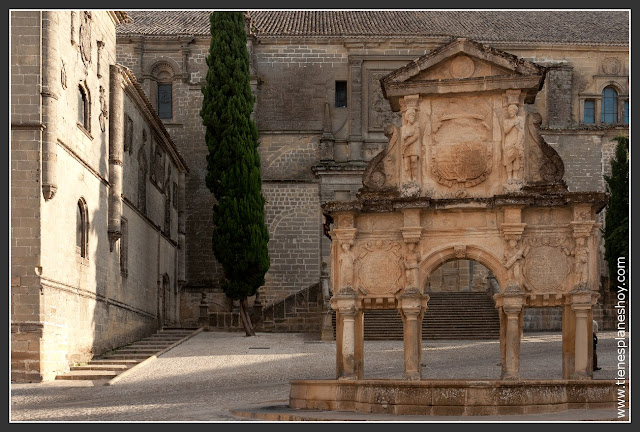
(467, 176)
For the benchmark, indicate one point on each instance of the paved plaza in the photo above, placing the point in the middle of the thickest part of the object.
(227, 377)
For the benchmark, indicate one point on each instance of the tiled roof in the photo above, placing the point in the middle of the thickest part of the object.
(590, 26)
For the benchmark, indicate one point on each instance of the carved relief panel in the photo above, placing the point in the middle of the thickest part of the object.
(460, 142)
(547, 264)
(379, 268)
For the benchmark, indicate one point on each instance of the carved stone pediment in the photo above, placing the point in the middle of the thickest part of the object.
(465, 130)
(463, 65)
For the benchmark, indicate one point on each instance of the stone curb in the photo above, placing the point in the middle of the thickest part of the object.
(117, 378)
(273, 413)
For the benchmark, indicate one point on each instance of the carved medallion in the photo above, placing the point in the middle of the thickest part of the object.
(611, 66)
(545, 268)
(380, 268)
(85, 38)
(462, 67)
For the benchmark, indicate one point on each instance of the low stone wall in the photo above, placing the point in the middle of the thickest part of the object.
(452, 397)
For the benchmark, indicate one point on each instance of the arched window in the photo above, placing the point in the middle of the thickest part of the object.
(84, 109)
(163, 73)
(609, 105)
(82, 229)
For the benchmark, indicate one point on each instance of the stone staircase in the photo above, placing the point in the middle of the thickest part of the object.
(114, 362)
(451, 315)
(297, 313)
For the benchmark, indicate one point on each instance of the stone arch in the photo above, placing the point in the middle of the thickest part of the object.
(612, 83)
(164, 69)
(472, 252)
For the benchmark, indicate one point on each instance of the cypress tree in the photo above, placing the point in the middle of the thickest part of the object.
(616, 232)
(240, 235)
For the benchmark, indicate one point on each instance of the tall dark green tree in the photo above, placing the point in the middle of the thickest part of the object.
(616, 232)
(240, 235)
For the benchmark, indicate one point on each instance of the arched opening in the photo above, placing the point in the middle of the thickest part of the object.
(461, 304)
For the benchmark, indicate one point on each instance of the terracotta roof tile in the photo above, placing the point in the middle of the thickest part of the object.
(590, 26)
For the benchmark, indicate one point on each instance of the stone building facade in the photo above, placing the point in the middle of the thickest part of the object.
(97, 193)
(321, 115)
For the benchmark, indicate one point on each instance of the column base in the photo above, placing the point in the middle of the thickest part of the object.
(581, 376)
(510, 377)
(348, 378)
(411, 376)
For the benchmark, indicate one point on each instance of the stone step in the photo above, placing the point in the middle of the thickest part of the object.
(87, 375)
(113, 361)
(98, 367)
(137, 351)
(127, 356)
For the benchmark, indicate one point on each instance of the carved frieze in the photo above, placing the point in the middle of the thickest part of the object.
(379, 267)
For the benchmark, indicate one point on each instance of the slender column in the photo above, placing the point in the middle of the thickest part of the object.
(116, 150)
(348, 342)
(512, 344)
(51, 78)
(582, 342)
(413, 304)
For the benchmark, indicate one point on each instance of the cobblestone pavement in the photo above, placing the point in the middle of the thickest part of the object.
(209, 375)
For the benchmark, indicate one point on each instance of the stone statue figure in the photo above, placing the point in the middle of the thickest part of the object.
(512, 259)
(513, 152)
(411, 266)
(346, 265)
(581, 261)
(104, 111)
(411, 145)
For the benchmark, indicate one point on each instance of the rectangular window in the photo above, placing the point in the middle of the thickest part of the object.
(589, 111)
(164, 101)
(625, 112)
(341, 94)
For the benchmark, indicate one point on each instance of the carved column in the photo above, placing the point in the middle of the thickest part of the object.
(582, 300)
(412, 304)
(346, 304)
(355, 110)
(349, 316)
(116, 150)
(511, 305)
(50, 93)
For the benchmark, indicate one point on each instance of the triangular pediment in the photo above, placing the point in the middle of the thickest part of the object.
(463, 65)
